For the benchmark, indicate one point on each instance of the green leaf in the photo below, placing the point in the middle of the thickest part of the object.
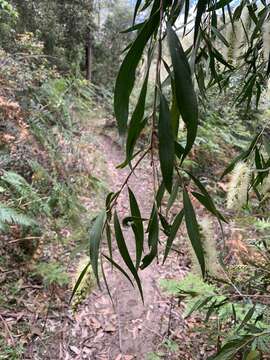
(201, 8)
(199, 304)
(10, 216)
(109, 239)
(160, 194)
(105, 280)
(126, 76)
(136, 9)
(193, 230)
(173, 195)
(137, 123)
(232, 347)
(184, 91)
(78, 282)
(206, 200)
(220, 36)
(137, 227)
(166, 226)
(153, 237)
(210, 311)
(242, 156)
(179, 150)
(124, 252)
(173, 231)
(166, 143)
(133, 28)
(175, 114)
(220, 4)
(253, 355)
(247, 317)
(95, 238)
(118, 268)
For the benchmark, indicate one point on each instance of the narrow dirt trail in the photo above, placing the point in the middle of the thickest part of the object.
(131, 329)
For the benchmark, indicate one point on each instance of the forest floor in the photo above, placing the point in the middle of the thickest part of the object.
(125, 329)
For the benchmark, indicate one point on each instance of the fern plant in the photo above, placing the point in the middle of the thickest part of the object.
(243, 328)
(9, 216)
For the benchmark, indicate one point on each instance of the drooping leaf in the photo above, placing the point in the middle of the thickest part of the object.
(173, 231)
(125, 253)
(220, 36)
(153, 237)
(160, 194)
(105, 280)
(193, 230)
(173, 195)
(78, 282)
(157, 204)
(201, 8)
(241, 156)
(184, 91)
(137, 226)
(136, 9)
(126, 76)
(166, 226)
(179, 150)
(95, 238)
(109, 239)
(220, 4)
(232, 347)
(199, 304)
(166, 143)
(118, 268)
(206, 200)
(247, 317)
(137, 123)
(133, 28)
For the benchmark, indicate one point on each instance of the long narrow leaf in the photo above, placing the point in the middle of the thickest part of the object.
(78, 282)
(119, 268)
(207, 200)
(166, 143)
(126, 76)
(125, 253)
(95, 238)
(153, 238)
(174, 228)
(137, 226)
(193, 230)
(184, 91)
(136, 123)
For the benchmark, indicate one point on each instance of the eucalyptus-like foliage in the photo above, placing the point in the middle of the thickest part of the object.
(185, 41)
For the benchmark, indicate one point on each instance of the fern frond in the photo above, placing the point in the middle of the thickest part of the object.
(14, 179)
(11, 216)
(20, 185)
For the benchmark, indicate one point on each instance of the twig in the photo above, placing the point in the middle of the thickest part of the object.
(48, 308)
(8, 329)
(26, 238)
(119, 324)
(170, 318)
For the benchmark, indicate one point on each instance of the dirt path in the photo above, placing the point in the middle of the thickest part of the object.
(134, 329)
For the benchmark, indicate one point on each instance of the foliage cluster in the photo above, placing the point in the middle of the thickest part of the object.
(191, 74)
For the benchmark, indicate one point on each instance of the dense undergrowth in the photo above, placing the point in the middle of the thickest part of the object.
(48, 167)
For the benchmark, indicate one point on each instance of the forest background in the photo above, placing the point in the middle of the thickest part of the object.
(59, 64)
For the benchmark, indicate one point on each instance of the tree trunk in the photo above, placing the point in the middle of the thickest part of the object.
(88, 57)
